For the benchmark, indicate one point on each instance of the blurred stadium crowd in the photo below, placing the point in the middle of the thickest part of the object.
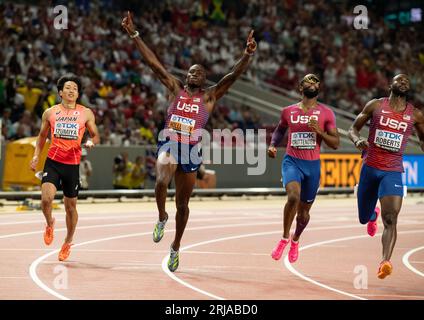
(294, 38)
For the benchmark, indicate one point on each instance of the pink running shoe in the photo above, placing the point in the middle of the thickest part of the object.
(278, 250)
(294, 251)
(372, 224)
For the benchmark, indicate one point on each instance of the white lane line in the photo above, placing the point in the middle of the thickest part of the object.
(33, 267)
(290, 267)
(405, 260)
(199, 212)
(188, 285)
(140, 251)
(23, 249)
(13, 235)
(108, 218)
(76, 263)
(63, 220)
(392, 296)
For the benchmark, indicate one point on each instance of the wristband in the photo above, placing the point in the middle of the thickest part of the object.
(134, 35)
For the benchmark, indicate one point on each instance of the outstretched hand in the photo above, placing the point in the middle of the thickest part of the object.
(251, 43)
(127, 24)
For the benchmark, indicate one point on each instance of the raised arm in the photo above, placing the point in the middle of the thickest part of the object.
(358, 124)
(419, 126)
(41, 139)
(172, 83)
(218, 90)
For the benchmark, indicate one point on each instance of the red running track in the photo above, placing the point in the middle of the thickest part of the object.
(225, 254)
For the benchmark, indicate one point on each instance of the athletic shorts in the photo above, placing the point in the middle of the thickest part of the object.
(188, 156)
(306, 172)
(373, 185)
(64, 176)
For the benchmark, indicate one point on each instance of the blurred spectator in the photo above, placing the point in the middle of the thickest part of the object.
(24, 125)
(31, 95)
(85, 170)
(122, 170)
(294, 37)
(150, 165)
(138, 174)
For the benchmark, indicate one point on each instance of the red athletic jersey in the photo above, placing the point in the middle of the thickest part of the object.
(186, 116)
(67, 127)
(303, 142)
(388, 137)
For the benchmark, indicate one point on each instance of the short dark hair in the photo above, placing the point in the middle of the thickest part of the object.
(311, 78)
(69, 77)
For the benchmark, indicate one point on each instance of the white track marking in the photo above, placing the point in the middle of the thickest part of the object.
(13, 235)
(184, 283)
(405, 260)
(63, 220)
(34, 264)
(118, 218)
(392, 296)
(290, 267)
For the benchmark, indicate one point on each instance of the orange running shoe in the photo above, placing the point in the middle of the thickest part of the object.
(48, 233)
(65, 251)
(385, 269)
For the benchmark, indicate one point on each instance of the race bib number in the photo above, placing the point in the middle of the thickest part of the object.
(304, 140)
(387, 140)
(66, 130)
(181, 125)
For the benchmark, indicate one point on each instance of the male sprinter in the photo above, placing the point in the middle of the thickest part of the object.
(188, 113)
(309, 123)
(392, 121)
(66, 122)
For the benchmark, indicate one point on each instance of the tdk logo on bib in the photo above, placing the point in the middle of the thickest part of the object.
(303, 135)
(301, 119)
(387, 140)
(67, 126)
(303, 140)
(183, 120)
(66, 130)
(181, 124)
(390, 135)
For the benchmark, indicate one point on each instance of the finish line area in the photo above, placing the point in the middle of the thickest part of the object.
(225, 253)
